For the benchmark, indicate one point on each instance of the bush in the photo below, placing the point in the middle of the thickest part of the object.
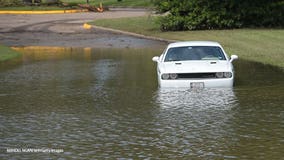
(51, 2)
(220, 14)
(8, 3)
(13, 3)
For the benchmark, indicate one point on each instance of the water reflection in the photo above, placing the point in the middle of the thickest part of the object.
(201, 99)
(192, 121)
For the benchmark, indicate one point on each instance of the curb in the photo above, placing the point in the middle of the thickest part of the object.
(116, 8)
(43, 12)
(134, 34)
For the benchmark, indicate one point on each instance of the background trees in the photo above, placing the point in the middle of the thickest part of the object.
(220, 14)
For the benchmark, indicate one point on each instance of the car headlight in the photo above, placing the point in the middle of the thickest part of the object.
(165, 76)
(227, 74)
(219, 74)
(173, 76)
(224, 74)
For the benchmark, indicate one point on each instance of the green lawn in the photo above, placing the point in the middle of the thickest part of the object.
(260, 45)
(32, 8)
(123, 3)
(7, 53)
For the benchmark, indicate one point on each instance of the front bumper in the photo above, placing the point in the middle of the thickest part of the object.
(208, 83)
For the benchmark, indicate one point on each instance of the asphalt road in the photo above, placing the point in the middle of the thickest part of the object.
(67, 30)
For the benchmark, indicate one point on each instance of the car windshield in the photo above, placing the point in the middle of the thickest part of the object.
(194, 53)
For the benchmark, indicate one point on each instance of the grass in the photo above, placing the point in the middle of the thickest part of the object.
(115, 3)
(123, 3)
(32, 8)
(7, 53)
(260, 45)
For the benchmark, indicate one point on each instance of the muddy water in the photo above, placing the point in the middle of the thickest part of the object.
(105, 103)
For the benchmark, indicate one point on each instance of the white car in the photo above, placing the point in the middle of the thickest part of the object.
(195, 64)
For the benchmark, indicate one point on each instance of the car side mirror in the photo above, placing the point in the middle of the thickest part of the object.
(155, 59)
(233, 57)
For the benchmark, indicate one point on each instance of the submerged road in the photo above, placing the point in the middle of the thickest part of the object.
(67, 30)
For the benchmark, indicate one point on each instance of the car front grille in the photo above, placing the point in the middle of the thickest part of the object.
(196, 75)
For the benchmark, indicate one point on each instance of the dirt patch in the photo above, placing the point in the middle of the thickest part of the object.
(67, 30)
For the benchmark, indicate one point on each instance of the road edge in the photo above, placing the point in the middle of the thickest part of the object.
(133, 34)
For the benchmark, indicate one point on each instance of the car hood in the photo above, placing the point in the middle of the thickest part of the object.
(195, 66)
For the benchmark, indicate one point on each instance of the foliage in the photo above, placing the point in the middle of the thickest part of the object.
(220, 14)
(51, 2)
(15, 3)
(7, 3)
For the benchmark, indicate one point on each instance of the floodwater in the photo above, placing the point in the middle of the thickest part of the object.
(105, 104)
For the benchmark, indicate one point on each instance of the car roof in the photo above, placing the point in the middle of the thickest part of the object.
(193, 43)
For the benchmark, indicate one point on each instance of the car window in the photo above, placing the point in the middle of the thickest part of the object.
(163, 54)
(194, 53)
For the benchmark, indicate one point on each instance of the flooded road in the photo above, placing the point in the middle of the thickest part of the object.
(105, 104)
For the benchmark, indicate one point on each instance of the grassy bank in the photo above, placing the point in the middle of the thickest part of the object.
(7, 53)
(32, 8)
(123, 3)
(260, 45)
(114, 3)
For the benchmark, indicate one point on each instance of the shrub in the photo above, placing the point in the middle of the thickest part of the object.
(8, 3)
(220, 14)
(51, 2)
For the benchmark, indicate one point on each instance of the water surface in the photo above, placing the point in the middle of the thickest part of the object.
(105, 103)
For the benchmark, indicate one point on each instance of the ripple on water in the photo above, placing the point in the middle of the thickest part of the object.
(109, 106)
